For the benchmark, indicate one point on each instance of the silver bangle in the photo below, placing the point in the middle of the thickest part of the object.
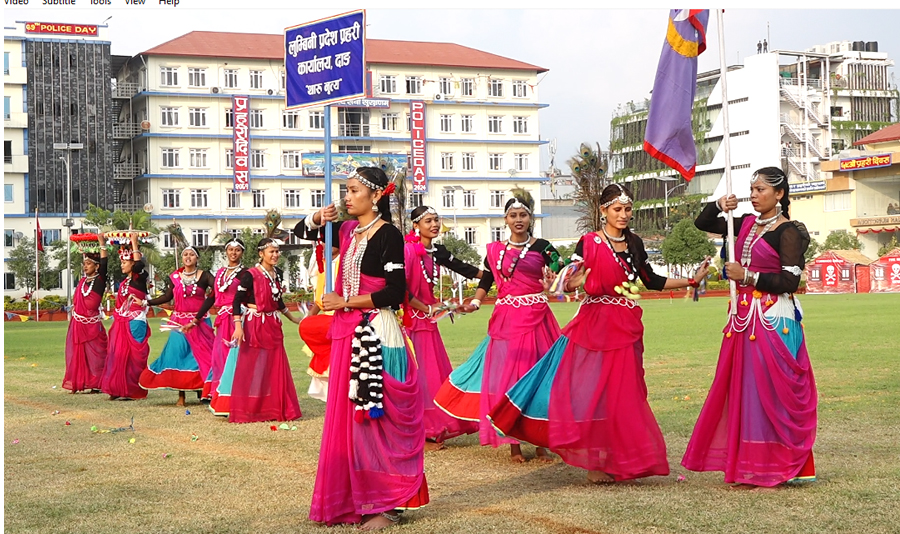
(476, 303)
(310, 223)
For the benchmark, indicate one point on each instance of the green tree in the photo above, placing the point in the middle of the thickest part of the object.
(686, 245)
(814, 249)
(21, 262)
(566, 251)
(841, 240)
(589, 171)
(461, 249)
(889, 246)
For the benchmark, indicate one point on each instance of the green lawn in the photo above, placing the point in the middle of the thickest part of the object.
(246, 478)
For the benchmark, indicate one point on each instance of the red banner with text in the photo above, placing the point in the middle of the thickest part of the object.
(417, 162)
(240, 109)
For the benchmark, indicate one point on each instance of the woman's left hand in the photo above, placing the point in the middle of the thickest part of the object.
(549, 277)
(332, 301)
(702, 271)
(734, 271)
(187, 327)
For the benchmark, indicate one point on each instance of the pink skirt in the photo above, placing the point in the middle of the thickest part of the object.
(126, 359)
(86, 351)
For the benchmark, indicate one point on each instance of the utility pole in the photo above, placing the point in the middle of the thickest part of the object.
(69, 223)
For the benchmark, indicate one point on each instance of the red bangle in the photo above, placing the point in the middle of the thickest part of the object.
(693, 283)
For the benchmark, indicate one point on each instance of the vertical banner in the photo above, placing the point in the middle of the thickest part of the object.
(417, 158)
(325, 60)
(240, 109)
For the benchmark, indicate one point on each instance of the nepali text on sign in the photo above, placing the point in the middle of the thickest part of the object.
(240, 108)
(867, 162)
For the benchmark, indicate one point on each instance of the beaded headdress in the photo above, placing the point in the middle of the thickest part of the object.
(422, 215)
(234, 243)
(623, 198)
(770, 180)
(273, 243)
(387, 190)
(522, 199)
(125, 253)
(190, 247)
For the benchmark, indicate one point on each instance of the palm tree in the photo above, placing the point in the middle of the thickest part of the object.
(589, 171)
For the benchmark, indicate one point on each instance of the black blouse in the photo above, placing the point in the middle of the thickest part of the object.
(211, 297)
(245, 293)
(790, 240)
(205, 282)
(383, 258)
(444, 258)
(138, 276)
(548, 253)
(640, 259)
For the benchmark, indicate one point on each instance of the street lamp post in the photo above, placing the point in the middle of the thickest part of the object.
(456, 188)
(68, 147)
(667, 191)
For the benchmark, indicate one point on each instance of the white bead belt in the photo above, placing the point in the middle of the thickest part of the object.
(418, 314)
(181, 316)
(84, 319)
(517, 301)
(252, 312)
(606, 299)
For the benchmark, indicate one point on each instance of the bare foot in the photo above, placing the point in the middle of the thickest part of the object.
(112, 397)
(378, 522)
(599, 477)
(543, 455)
(180, 399)
(433, 446)
(515, 454)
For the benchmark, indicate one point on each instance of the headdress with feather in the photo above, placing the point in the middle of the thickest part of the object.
(524, 196)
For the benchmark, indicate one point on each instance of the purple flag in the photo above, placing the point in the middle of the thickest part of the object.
(669, 137)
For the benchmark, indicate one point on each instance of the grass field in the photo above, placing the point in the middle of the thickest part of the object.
(246, 478)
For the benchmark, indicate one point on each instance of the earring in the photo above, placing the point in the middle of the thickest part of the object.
(375, 207)
(417, 232)
(603, 219)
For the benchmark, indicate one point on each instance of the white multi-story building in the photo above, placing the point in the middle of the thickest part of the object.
(482, 132)
(15, 152)
(791, 109)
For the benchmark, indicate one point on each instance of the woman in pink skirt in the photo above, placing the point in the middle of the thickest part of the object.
(423, 260)
(521, 329)
(371, 462)
(129, 334)
(263, 387)
(86, 343)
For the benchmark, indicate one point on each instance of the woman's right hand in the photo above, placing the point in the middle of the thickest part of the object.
(238, 334)
(327, 214)
(577, 280)
(727, 203)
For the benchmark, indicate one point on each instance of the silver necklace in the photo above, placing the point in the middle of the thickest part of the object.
(613, 238)
(366, 228)
(225, 279)
(273, 283)
(512, 266)
(763, 222)
(751, 241)
(434, 269)
(185, 283)
(522, 244)
(87, 287)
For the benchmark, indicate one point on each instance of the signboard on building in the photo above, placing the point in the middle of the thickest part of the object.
(84, 30)
(866, 162)
(874, 221)
(418, 158)
(382, 103)
(240, 109)
(807, 187)
(344, 164)
(325, 60)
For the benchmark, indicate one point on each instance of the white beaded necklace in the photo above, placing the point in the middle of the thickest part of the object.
(627, 267)
(192, 283)
(613, 238)
(366, 228)
(434, 269)
(512, 266)
(225, 279)
(751, 240)
(273, 283)
(87, 287)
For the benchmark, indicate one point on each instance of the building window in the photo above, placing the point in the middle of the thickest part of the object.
(199, 198)
(290, 120)
(292, 198)
(317, 197)
(9, 281)
(234, 199)
(495, 124)
(469, 199)
(196, 77)
(495, 162)
(390, 122)
(197, 117)
(446, 161)
(169, 116)
(198, 158)
(48, 237)
(446, 123)
(168, 76)
(231, 78)
(167, 240)
(7, 102)
(229, 158)
(497, 200)
(388, 84)
(448, 199)
(815, 274)
(416, 200)
(8, 236)
(413, 85)
(8, 190)
(316, 120)
(520, 88)
(470, 234)
(170, 157)
(407, 122)
(171, 198)
(837, 201)
(259, 198)
(342, 190)
(256, 79)
(283, 76)
(290, 159)
(256, 118)
(467, 123)
(495, 88)
(520, 125)
(468, 87)
(468, 161)
(521, 162)
(200, 238)
(229, 118)
(257, 158)
(496, 233)
(845, 274)
(445, 86)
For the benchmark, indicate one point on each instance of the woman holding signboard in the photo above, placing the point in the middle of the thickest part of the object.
(758, 423)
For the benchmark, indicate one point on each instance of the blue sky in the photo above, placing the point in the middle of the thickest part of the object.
(597, 58)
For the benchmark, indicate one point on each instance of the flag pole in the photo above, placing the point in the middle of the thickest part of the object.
(726, 138)
(37, 268)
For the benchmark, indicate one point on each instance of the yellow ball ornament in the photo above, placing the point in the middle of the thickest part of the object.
(752, 337)
(785, 330)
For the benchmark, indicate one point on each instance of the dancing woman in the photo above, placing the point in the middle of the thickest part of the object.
(371, 462)
(521, 329)
(423, 261)
(758, 423)
(263, 387)
(586, 400)
(223, 356)
(185, 359)
(86, 342)
(129, 334)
